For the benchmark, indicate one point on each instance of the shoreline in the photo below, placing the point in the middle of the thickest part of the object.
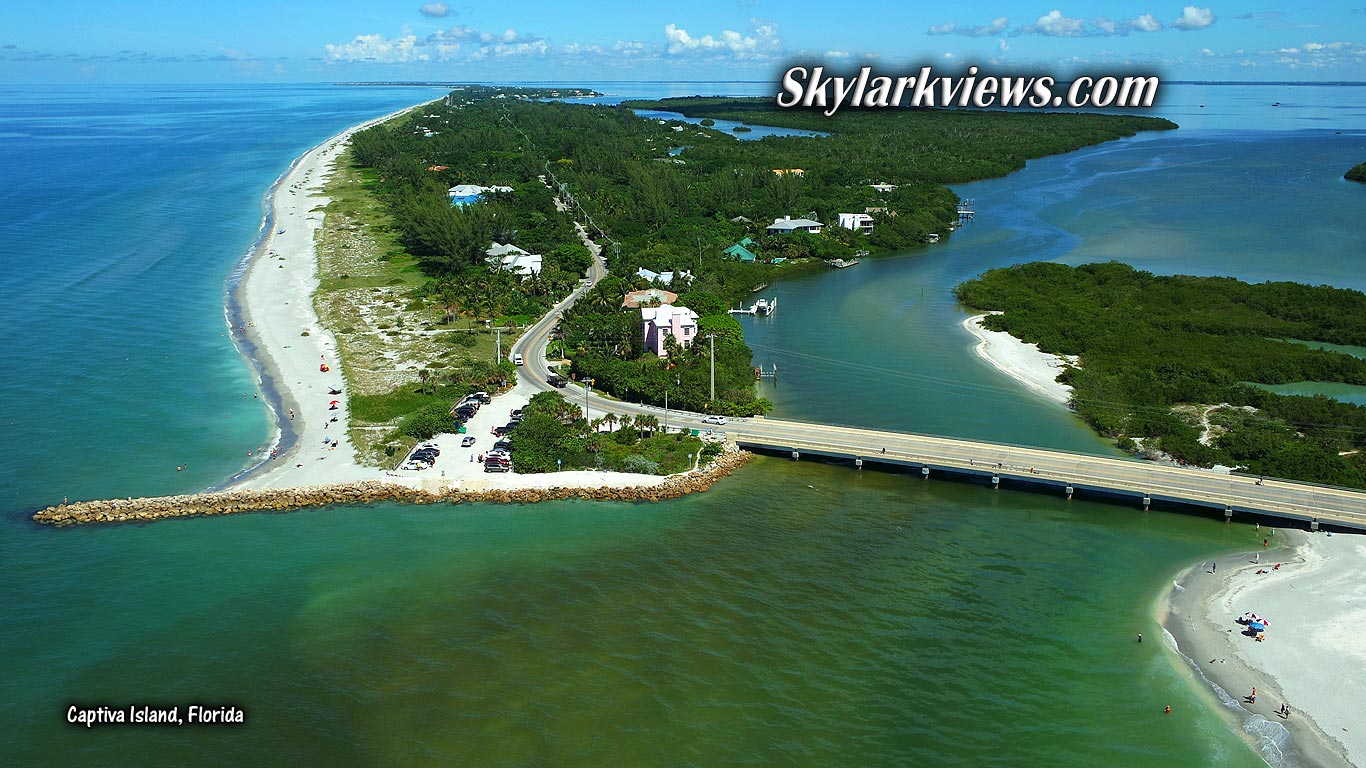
(281, 301)
(1024, 362)
(1309, 601)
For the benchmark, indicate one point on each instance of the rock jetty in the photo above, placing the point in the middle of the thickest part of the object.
(366, 492)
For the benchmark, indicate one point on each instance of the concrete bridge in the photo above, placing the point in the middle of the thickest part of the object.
(1142, 482)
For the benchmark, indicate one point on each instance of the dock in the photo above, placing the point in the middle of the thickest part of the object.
(760, 307)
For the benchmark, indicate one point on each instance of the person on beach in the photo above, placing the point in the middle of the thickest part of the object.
(1253, 698)
(1265, 542)
(291, 414)
(1168, 710)
(1213, 567)
(1258, 558)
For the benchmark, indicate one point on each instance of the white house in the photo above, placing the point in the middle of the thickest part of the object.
(663, 278)
(884, 188)
(664, 321)
(788, 224)
(513, 259)
(859, 222)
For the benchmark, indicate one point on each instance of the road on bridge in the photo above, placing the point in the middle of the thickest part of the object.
(1271, 496)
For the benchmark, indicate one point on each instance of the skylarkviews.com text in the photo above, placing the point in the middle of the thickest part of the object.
(814, 89)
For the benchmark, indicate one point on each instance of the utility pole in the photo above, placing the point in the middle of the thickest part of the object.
(587, 383)
(712, 336)
(499, 358)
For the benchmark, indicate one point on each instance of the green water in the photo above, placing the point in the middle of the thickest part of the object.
(868, 619)
(1347, 393)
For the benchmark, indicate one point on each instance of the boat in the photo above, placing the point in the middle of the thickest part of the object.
(842, 264)
(765, 307)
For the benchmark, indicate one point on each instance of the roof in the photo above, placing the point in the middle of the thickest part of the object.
(790, 224)
(741, 252)
(634, 299)
(498, 249)
(663, 315)
(662, 277)
(466, 190)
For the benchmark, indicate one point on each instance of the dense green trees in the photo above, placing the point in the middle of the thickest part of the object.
(1357, 173)
(1150, 343)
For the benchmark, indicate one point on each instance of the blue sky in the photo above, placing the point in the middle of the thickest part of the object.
(297, 41)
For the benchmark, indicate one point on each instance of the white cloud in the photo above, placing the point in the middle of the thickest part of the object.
(1194, 18)
(759, 44)
(1054, 24)
(1146, 23)
(442, 45)
(435, 10)
(377, 48)
(1206, 52)
(996, 27)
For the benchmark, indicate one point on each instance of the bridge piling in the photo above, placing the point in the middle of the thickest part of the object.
(925, 472)
(858, 462)
(1147, 502)
(996, 482)
(1070, 491)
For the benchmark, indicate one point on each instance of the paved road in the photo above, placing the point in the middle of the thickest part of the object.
(1036, 465)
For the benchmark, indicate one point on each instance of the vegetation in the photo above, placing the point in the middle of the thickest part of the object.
(430, 282)
(1357, 173)
(554, 435)
(1158, 352)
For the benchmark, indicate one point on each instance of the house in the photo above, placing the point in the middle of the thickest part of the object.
(788, 224)
(468, 194)
(465, 194)
(859, 222)
(740, 220)
(437, 167)
(741, 250)
(664, 321)
(635, 299)
(884, 188)
(663, 278)
(512, 259)
(880, 209)
(788, 172)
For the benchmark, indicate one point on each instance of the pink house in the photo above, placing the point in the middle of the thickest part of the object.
(664, 321)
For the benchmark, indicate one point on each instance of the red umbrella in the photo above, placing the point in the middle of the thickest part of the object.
(334, 402)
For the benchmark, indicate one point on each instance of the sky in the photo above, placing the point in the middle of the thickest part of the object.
(81, 41)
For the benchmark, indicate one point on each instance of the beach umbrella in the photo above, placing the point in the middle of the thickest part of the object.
(334, 402)
(1256, 626)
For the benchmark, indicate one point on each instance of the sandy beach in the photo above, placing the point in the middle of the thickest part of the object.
(276, 296)
(1037, 370)
(279, 320)
(1312, 658)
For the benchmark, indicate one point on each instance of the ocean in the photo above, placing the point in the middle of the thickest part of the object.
(796, 614)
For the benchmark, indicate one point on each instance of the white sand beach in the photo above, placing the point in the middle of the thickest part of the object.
(1313, 655)
(1037, 370)
(276, 295)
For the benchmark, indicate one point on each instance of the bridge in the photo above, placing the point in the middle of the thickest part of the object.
(1063, 472)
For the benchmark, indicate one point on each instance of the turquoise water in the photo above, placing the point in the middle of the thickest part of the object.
(869, 619)
(1347, 393)
(796, 614)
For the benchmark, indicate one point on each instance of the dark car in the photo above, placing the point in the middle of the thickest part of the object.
(482, 397)
(497, 468)
(503, 445)
(517, 414)
(556, 380)
(503, 430)
(465, 412)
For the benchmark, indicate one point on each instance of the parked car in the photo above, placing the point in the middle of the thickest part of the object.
(503, 445)
(517, 359)
(482, 397)
(466, 441)
(556, 380)
(713, 419)
(497, 467)
(517, 414)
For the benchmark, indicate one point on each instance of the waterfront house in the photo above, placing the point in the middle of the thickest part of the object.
(884, 188)
(664, 321)
(788, 224)
(859, 222)
(741, 250)
(512, 259)
(647, 297)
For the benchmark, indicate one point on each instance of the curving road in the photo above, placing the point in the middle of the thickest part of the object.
(1068, 471)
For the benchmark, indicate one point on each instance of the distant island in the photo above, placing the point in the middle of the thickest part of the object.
(1171, 365)
(1357, 173)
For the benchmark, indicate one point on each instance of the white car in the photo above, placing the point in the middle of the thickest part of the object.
(714, 420)
(516, 359)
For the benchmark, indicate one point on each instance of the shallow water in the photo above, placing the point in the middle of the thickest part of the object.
(795, 614)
